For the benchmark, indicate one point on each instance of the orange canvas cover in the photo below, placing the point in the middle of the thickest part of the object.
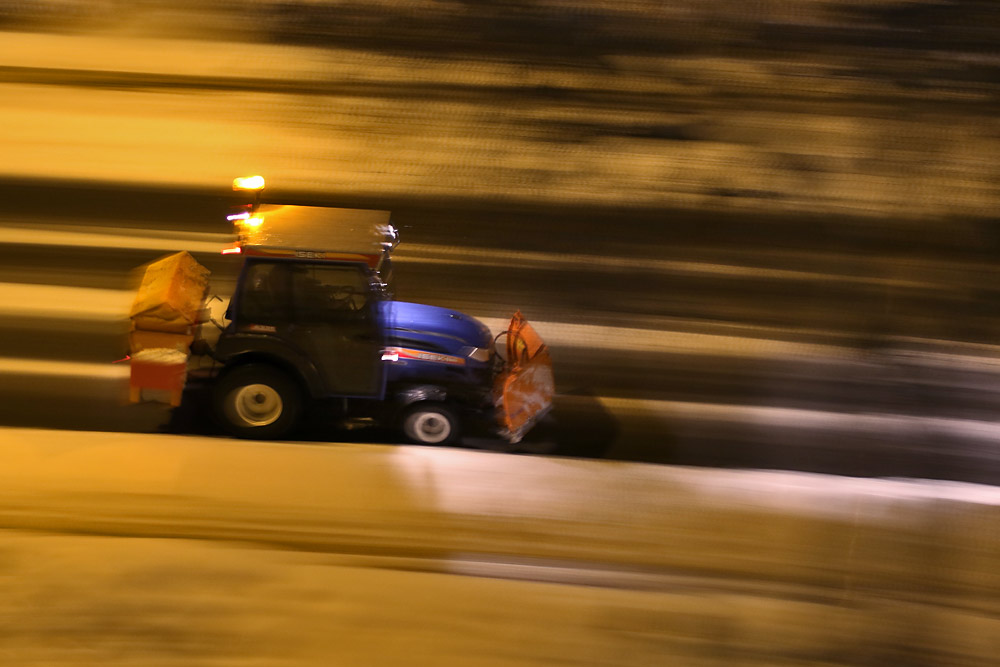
(526, 387)
(170, 295)
(168, 303)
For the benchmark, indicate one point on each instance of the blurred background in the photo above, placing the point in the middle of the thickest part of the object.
(756, 235)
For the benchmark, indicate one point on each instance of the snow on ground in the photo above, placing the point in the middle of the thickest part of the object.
(162, 550)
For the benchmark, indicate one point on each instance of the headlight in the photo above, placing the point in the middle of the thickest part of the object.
(480, 354)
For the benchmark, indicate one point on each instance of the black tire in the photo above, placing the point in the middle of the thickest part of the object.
(429, 423)
(257, 401)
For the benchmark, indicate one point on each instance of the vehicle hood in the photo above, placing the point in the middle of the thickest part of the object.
(446, 329)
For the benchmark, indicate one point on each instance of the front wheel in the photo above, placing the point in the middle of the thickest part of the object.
(430, 424)
(257, 401)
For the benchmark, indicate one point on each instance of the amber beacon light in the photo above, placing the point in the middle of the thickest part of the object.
(248, 183)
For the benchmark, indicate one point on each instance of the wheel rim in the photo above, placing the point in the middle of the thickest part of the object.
(258, 404)
(431, 427)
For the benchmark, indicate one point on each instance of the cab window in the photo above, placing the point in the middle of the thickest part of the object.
(330, 292)
(265, 293)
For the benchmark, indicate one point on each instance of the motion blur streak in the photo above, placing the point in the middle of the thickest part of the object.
(756, 235)
(691, 105)
(97, 372)
(111, 237)
(209, 243)
(57, 302)
(127, 540)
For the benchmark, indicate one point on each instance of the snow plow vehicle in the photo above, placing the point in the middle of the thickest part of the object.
(312, 318)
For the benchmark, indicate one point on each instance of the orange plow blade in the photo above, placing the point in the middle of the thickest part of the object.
(525, 389)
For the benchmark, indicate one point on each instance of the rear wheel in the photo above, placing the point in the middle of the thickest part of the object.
(257, 401)
(430, 424)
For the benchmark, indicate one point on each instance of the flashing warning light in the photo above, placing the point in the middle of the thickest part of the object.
(248, 183)
(235, 250)
(238, 216)
(253, 222)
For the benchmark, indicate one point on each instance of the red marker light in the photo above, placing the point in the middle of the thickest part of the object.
(232, 251)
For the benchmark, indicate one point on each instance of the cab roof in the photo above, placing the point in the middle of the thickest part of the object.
(315, 229)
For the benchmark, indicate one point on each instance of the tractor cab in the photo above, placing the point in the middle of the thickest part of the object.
(308, 302)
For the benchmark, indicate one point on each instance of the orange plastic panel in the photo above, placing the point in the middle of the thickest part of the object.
(146, 375)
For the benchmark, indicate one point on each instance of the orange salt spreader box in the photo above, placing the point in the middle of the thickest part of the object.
(164, 314)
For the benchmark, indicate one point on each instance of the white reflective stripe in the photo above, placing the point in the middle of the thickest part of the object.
(563, 334)
(461, 255)
(672, 412)
(114, 238)
(141, 239)
(60, 302)
(57, 368)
